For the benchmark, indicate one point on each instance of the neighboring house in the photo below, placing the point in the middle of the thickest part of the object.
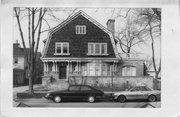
(20, 74)
(82, 51)
(18, 65)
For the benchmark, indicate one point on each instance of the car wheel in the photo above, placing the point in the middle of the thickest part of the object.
(121, 98)
(91, 99)
(152, 98)
(57, 99)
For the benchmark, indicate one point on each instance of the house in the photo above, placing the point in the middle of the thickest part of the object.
(20, 74)
(18, 64)
(82, 51)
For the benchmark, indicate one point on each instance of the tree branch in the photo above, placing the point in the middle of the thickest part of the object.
(17, 14)
(39, 33)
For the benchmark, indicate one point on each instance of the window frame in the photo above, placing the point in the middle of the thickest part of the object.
(95, 69)
(128, 68)
(15, 60)
(94, 45)
(80, 29)
(62, 47)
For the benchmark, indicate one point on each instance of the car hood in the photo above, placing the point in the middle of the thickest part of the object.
(129, 92)
(121, 92)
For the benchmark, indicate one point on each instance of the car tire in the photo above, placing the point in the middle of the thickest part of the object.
(121, 98)
(91, 99)
(152, 98)
(57, 99)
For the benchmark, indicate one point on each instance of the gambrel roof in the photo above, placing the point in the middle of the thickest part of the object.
(68, 20)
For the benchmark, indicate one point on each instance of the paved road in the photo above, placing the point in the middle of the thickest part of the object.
(42, 102)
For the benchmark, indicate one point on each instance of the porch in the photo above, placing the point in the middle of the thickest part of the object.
(103, 74)
(70, 68)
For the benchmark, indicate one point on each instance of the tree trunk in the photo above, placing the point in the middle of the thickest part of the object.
(31, 79)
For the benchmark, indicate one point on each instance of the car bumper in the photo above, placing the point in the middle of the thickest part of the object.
(48, 97)
(115, 97)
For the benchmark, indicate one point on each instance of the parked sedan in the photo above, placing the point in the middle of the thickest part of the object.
(138, 92)
(75, 92)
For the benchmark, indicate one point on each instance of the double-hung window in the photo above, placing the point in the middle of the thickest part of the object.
(97, 48)
(129, 71)
(62, 48)
(80, 29)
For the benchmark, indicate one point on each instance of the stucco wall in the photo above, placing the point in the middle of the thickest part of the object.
(104, 83)
(119, 83)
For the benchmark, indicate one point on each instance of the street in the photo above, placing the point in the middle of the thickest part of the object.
(42, 102)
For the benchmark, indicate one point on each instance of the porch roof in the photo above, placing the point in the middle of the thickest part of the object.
(80, 59)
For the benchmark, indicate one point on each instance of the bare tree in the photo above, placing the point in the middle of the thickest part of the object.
(130, 36)
(153, 19)
(34, 33)
(35, 19)
(147, 26)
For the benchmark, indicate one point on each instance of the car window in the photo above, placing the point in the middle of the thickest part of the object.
(135, 89)
(74, 88)
(148, 89)
(143, 89)
(85, 88)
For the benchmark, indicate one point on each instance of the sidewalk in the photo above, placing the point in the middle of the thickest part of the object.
(152, 105)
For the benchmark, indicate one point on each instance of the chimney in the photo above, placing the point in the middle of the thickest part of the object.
(16, 45)
(111, 26)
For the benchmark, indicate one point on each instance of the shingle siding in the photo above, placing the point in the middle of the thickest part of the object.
(78, 44)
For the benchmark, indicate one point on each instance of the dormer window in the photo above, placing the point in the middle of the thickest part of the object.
(62, 48)
(80, 29)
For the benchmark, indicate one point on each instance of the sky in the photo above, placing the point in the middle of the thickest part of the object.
(101, 15)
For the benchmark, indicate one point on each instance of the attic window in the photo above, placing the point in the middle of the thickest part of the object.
(80, 29)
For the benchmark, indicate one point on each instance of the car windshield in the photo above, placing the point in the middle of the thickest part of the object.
(96, 88)
(85, 88)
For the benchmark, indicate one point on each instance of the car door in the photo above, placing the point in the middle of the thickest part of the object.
(135, 93)
(146, 92)
(73, 93)
(86, 91)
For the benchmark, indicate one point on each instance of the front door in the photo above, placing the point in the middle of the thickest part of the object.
(62, 72)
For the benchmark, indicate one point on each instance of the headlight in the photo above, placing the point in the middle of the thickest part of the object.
(48, 94)
(115, 96)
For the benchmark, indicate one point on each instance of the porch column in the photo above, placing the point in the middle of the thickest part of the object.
(77, 67)
(113, 69)
(53, 67)
(70, 69)
(45, 69)
(80, 67)
(56, 67)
